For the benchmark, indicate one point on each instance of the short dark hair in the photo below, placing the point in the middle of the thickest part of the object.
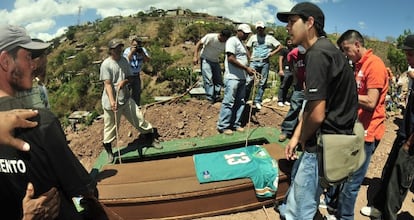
(226, 33)
(350, 35)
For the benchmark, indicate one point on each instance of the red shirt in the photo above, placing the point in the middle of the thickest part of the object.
(298, 61)
(371, 73)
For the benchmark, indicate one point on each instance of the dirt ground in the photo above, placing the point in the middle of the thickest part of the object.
(198, 118)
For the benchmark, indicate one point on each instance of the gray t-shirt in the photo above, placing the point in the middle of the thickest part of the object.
(236, 47)
(212, 47)
(115, 71)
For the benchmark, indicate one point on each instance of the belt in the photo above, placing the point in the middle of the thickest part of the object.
(265, 60)
(311, 149)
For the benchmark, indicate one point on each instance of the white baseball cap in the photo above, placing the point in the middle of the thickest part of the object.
(245, 28)
(260, 24)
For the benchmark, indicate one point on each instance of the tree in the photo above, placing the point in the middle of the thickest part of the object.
(396, 56)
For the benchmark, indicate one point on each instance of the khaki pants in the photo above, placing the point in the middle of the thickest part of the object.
(132, 113)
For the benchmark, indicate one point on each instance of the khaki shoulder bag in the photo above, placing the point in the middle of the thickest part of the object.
(340, 155)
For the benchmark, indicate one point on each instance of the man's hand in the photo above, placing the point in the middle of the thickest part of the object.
(45, 207)
(195, 60)
(250, 71)
(12, 119)
(290, 149)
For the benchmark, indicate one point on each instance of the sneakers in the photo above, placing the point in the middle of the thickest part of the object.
(323, 205)
(280, 104)
(240, 129)
(282, 137)
(258, 106)
(371, 212)
(329, 217)
(225, 131)
(287, 103)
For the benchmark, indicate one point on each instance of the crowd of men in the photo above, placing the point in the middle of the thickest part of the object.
(329, 97)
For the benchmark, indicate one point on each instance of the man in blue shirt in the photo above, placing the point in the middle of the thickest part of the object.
(136, 54)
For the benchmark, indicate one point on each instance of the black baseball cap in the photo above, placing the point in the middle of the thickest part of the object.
(305, 9)
(408, 43)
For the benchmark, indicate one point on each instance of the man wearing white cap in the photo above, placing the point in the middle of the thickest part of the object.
(236, 69)
(263, 47)
(50, 159)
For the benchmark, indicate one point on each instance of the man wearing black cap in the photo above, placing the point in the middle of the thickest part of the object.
(116, 101)
(398, 173)
(331, 106)
(50, 159)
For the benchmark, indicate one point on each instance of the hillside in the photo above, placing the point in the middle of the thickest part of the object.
(73, 67)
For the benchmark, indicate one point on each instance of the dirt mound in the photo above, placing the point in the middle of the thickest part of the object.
(182, 119)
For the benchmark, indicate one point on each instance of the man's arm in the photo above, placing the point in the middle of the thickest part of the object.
(290, 149)
(232, 59)
(281, 73)
(110, 93)
(313, 117)
(276, 50)
(196, 50)
(370, 100)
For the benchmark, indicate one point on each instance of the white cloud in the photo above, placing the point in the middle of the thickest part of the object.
(361, 25)
(41, 17)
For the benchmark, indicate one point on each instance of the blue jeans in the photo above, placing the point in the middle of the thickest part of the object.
(304, 192)
(212, 79)
(291, 119)
(285, 83)
(263, 69)
(348, 191)
(135, 86)
(233, 103)
(282, 206)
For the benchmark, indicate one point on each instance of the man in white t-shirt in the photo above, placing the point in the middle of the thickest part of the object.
(236, 67)
(263, 46)
(211, 45)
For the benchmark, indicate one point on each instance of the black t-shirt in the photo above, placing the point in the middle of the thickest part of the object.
(49, 163)
(284, 52)
(329, 77)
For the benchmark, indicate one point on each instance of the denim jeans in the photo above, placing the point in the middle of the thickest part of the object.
(304, 192)
(282, 206)
(135, 86)
(263, 69)
(212, 79)
(348, 191)
(291, 119)
(285, 83)
(233, 103)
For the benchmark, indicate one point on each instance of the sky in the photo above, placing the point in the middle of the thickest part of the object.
(46, 19)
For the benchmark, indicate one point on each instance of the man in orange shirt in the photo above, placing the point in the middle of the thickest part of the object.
(372, 85)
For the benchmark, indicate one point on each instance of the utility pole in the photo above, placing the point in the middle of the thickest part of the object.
(79, 14)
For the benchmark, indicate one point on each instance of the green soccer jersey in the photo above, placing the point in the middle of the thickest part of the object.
(252, 162)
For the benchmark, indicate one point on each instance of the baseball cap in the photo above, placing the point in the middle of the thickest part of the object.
(245, 28)
(305, 9)
(260, 24)
(408, 43)
(14, 36)
(114, 43)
